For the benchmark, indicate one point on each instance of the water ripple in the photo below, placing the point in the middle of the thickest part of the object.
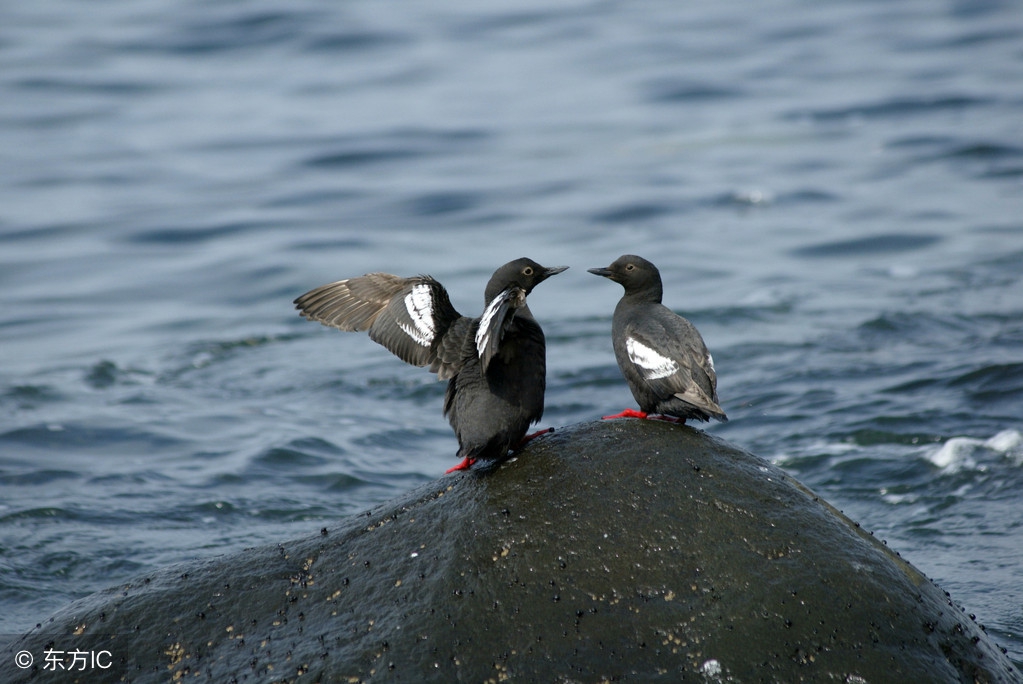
(895, 107)
(227, 32)
(875, 244)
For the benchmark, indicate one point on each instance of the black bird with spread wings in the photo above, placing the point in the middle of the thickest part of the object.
(662, 356)
(495, 365)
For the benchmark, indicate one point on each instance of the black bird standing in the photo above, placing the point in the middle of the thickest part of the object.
(661, 354)
(495, 365)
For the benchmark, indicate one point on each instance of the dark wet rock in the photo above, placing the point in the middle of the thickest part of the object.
(615, 551)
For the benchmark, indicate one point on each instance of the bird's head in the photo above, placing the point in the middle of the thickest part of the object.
(524, 274)
(634, 273)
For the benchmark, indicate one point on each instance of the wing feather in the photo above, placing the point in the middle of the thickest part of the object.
(495, 320)
(677, 364)
(410, 317)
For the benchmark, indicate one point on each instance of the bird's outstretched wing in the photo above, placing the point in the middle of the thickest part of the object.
(412, 317)
(669, 366)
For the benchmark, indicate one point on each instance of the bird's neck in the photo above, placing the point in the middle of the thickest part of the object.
(524, 312)
(648, 294)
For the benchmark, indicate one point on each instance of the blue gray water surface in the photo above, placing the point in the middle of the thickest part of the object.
(833, 192)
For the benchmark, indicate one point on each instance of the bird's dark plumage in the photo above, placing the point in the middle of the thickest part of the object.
(495, 365)
(662, 355)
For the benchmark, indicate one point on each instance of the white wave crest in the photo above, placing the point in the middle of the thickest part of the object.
(960, 453)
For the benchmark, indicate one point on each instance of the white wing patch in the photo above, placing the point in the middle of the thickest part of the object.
(483, 332)
(710, 361)
(419, 304)
(654, 365)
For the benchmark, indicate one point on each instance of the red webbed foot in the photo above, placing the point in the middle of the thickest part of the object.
(464, 465)
(627, 413)
(528, 438)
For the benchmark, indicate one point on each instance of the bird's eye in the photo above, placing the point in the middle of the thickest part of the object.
(528, 270)
(630, 267)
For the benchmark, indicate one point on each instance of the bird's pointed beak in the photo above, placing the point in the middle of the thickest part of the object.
(554, 270)
(603, 272)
